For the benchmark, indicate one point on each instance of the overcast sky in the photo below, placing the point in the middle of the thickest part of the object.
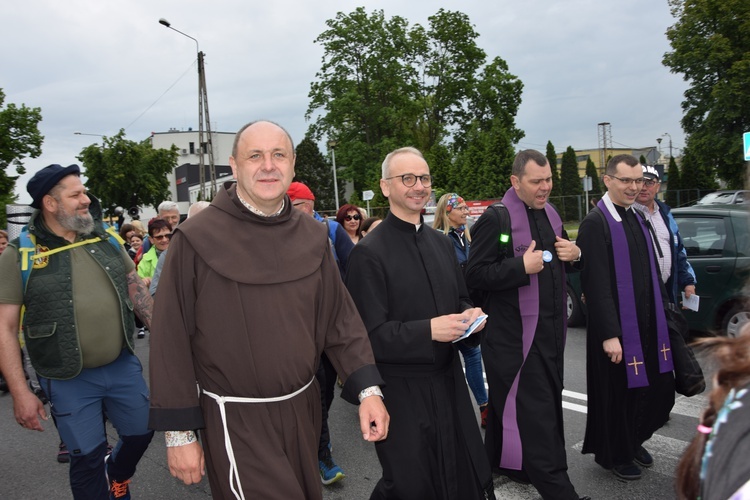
(98, 66)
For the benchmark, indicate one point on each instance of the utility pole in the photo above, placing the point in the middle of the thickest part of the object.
(605, 143)
(670, 142)
(203, 116)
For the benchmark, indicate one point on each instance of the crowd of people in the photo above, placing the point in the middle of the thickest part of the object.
(383, 305)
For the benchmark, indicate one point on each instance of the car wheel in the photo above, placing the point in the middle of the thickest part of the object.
(735, 320)
(574, 309)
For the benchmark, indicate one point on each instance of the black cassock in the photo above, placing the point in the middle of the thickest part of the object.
(494, 271)
(620, 419)
(400, 278)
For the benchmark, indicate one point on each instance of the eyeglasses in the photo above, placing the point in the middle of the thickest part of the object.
(650, 182)
(462, 208)
(627, 182)
(162, 236)
(410, 180)
(350, 217)
(301, 202)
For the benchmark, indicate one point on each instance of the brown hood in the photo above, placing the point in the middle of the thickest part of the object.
(251, 249)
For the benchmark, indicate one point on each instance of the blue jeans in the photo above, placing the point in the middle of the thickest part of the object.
(77, 405)
(473, 365)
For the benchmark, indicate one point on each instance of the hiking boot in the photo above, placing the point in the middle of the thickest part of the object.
(119, 490)
(643, 457)
(329, 471)
(63, 456)
(483, 411)
(628, 472)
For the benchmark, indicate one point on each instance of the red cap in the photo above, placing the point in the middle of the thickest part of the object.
(298, 191)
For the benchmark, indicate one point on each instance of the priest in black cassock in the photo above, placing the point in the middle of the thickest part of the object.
(628, 355)
(409, 290)
(517, 261)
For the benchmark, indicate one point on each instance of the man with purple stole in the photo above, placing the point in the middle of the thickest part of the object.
(628, 359)
(517, 261)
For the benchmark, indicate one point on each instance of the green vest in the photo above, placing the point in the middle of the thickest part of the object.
(49, 324)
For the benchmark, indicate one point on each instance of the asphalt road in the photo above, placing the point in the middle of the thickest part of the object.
(29, 470)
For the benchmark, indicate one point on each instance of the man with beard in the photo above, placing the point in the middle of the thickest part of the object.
(628, 354)
(78, 327)
(518, 255)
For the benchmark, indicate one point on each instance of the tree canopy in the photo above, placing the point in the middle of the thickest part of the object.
(126, 173)
(711, 49)
(384, 84)
(570, 183)
(312, 169)
(552, 160)
(19, 138)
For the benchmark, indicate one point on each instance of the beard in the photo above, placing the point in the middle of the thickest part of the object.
(81, 224)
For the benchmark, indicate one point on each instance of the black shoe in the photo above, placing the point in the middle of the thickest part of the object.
(628, 472)
(62, 454)
(643, 457)
(141, 333)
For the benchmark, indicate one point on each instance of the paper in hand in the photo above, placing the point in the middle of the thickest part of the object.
(473, 327)
(691, 303)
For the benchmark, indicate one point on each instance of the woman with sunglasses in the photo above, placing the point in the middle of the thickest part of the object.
(450, 218)
(350, 218)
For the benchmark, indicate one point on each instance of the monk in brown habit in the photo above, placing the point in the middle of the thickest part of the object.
(249, 299)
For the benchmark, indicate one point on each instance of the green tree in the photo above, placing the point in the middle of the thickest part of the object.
(19, 138)
(672, 195)
(126, 173)
(483, 168)
(316, 172)
(384, 85)
(552, 159)
(711, 49)
(593, 172)
(700, 180)
(571, 184)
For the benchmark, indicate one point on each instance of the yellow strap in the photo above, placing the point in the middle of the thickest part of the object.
(41, 255)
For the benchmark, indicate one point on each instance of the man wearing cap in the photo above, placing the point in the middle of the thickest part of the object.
(629, 365)
(676, 272)
(248, 320)
(303, 200)
(519, 251)
(78, 326)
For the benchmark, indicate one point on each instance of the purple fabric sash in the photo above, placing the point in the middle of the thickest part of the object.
(631, 338)
(528, 302)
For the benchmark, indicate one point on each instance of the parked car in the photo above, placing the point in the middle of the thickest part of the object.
(725, 197)
(717, 241)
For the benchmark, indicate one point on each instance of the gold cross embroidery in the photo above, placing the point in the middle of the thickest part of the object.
(635, 364)
(664, 350)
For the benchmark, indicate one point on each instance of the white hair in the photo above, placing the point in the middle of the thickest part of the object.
(387, 162)
(197, 207)
(167, 206)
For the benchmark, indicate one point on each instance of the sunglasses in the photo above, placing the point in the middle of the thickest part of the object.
(163, 236)
(350, 217)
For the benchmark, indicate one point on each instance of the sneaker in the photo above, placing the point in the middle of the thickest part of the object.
(643, 457)
(483, 411)
(63, 456)
(628, 472)
(142, 333)
(119, 490)
(329, 471)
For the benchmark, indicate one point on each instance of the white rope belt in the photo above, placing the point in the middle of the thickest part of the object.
(234, 475)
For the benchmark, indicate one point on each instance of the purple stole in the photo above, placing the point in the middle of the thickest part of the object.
(528, 303)
(631, 338)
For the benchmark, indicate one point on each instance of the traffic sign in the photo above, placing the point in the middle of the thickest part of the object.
(746, 140)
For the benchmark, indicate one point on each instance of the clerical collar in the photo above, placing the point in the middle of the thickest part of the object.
(611, 207)
(255, 210)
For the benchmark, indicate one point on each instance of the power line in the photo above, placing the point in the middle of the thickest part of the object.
(163, 94)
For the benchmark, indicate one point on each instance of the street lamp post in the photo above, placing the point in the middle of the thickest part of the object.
(202, 113)
(670, 143)
(332, 144)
